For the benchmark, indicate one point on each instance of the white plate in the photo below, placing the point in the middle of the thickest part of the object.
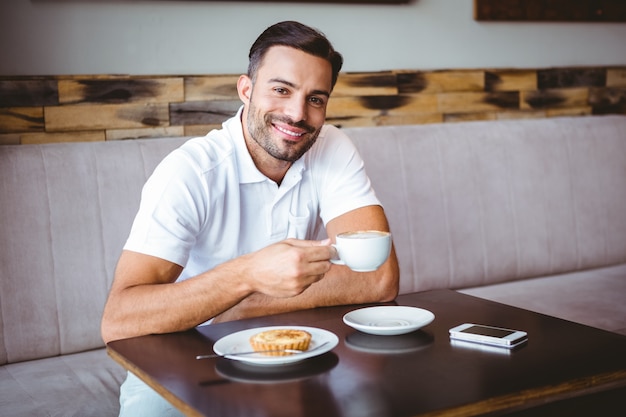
(261, 374)
(388, 320)
(240, 342)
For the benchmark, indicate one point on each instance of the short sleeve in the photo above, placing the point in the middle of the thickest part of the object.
(341, 178)
(172, 209)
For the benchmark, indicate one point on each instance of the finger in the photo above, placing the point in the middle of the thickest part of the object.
(313, 250)
(301, 243)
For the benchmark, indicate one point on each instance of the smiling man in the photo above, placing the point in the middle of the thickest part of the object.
(227, 223)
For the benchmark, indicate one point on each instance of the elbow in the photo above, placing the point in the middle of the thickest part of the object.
(391, 290)
(109, 328)
(106, 330)
(390, 282)
(390, 295)
(109, 333)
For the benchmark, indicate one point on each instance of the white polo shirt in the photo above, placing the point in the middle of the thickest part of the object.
(207, 203)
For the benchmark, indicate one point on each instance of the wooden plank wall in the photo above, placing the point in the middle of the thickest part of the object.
(105, 107)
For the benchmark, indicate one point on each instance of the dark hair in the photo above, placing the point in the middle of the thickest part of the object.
(298, 36)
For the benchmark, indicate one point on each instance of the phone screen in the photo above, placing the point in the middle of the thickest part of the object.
(488, 331)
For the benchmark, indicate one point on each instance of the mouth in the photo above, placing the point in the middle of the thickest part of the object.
(289, 131)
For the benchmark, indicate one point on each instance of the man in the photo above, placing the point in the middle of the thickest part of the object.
(226, 222)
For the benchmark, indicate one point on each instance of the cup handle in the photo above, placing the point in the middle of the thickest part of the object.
(336, 261)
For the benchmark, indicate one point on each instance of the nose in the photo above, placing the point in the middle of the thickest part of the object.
(296, 109)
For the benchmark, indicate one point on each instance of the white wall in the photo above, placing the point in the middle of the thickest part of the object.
(51, 37)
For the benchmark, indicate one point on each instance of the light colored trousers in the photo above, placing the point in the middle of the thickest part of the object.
(139, 400)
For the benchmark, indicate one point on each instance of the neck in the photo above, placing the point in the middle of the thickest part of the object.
(269, 166)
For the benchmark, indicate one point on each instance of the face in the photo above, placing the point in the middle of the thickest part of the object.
(286, 105)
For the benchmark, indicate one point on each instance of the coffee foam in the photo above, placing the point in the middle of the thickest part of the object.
(368, 234)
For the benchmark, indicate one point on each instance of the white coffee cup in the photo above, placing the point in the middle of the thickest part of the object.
(363, 250)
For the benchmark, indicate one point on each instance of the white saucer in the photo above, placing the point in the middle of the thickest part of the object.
(240, 342)
(388, 320)
(399, 344)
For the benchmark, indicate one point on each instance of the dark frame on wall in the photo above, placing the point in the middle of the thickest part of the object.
(550, 10)
(382, 2)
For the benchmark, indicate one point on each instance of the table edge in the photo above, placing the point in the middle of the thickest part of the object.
(537, 396)
(181, 405)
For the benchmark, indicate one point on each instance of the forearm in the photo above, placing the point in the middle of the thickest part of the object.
(145, 298)
(155, 309)
(340, 286)
(148, 305)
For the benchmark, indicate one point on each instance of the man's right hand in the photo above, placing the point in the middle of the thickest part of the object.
(287, 268)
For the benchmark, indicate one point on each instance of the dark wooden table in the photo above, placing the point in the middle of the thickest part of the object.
(420, 373)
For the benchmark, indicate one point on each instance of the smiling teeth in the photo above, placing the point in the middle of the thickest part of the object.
(289, 132)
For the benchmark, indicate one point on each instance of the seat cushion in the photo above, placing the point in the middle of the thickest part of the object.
(593, 297)
(80, 384)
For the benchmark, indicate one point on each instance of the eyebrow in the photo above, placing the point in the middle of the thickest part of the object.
(290, 84)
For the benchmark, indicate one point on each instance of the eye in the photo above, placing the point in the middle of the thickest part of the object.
(280, 90)
(317, 101)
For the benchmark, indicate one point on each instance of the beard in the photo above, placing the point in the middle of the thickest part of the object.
(261, 129)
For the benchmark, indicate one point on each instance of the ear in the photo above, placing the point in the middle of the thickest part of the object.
(244, 88)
